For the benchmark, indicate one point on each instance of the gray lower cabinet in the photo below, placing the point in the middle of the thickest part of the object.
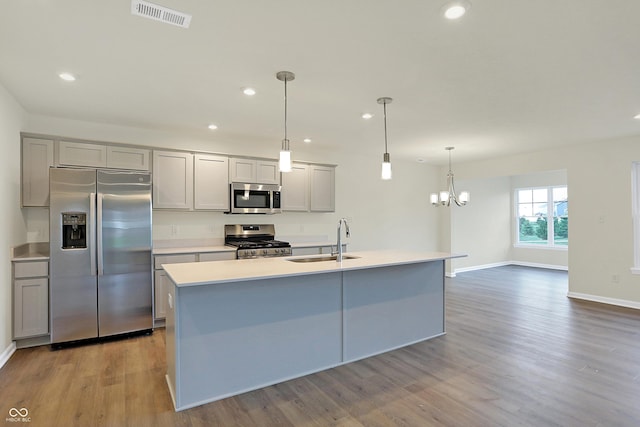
(162, 281)
(30, 299)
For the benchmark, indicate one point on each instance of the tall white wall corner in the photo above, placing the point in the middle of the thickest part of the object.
(7, 353)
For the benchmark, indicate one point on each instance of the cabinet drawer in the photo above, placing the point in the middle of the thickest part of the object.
(31, 269)
(217, 256)
(173, 259)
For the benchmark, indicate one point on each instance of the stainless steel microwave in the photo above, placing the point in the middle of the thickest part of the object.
(255, 198)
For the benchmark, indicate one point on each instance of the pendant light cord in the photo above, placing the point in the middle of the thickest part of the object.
(285, 109)
(384, 106)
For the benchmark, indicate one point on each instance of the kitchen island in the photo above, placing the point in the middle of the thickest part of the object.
(236, 326)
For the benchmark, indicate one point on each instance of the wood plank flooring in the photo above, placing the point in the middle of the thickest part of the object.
(517, 352)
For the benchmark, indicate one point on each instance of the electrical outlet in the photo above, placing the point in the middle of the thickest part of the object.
(174, 230)
(615, 278)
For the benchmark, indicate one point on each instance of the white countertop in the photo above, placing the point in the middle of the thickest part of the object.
(221, 248)
(213, 272)
(192, 249)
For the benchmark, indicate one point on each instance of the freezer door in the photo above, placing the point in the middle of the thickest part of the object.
(73, 298)
(124, 252)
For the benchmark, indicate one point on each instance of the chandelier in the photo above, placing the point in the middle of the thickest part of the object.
(446, 197)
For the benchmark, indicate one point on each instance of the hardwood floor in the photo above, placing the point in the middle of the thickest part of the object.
(517, 352)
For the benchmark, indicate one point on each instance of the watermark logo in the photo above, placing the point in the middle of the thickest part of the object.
(18, 416)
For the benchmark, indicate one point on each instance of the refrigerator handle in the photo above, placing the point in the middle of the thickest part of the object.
(99, 239)
(92, 232)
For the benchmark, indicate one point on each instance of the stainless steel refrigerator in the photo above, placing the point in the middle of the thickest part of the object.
(100, 253)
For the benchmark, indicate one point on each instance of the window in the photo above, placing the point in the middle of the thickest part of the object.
(534, 207)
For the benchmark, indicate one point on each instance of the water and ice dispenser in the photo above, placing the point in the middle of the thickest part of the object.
(74, 230)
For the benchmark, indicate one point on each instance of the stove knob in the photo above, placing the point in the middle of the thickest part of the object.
(265, 252)
(253, 252)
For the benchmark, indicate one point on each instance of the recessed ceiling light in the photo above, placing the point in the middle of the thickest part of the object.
(456, 9)
(420, 160)
(367, 116)
(212, 126)
(67, 77)
(307, 140)
(249, 91)
(637, 116)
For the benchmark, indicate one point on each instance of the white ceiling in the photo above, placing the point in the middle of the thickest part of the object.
(510, 76)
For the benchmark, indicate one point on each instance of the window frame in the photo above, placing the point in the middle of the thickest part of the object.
(550, 243)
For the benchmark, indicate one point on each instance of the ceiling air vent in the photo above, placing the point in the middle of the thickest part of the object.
(160, 13)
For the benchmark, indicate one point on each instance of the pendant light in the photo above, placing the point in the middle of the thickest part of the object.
(446, 197)
(285, 152)
(386, 160)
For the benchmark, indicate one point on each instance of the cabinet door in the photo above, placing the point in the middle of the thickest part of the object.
(242, 170)
(211, 184)
(172, 180)
(322, 185)
(161, 286)
(217, 256)
(80, 154)
(295, 188)
(128, 158)
(31, 307)
(37, 158)
(267, 172)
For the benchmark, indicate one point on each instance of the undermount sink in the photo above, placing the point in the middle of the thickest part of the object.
(322, 258)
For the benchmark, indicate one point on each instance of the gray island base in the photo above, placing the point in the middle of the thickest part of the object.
(236, 326)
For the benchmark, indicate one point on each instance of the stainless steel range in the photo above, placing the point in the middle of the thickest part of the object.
(255, 241)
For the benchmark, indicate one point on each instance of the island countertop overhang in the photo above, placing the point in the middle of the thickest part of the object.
(215, 272)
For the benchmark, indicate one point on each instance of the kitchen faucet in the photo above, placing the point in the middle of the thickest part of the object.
(339, 239)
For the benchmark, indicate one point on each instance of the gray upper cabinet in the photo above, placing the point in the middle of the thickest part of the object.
(82, 154)
(253, 171)
(181, 180)
(211, 182)
(309, 188)
(37, 158)
(128, 158)
(322, 188)
(172, 180)
(102, 156)
(267, 172)
(295, 188)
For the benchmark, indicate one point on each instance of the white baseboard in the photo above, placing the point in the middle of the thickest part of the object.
(605, 300)
(479, 267)
(505, 263)
(537, 265)
(7, 353)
